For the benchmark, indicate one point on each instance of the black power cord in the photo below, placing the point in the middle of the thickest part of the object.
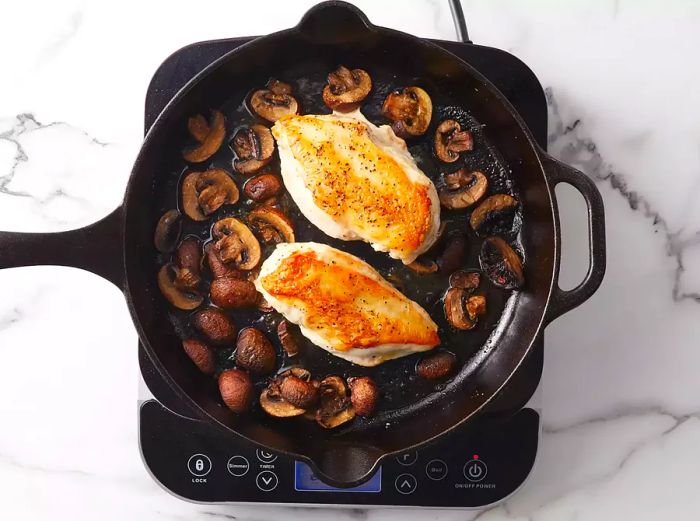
(460, 22)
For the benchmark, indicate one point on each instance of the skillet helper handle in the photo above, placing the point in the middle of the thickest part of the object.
(96, 248)
(562, 301)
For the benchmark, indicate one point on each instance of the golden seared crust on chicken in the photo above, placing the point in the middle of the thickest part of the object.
(343, 305)
(354, 180)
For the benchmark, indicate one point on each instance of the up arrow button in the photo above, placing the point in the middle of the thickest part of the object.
(406, 483)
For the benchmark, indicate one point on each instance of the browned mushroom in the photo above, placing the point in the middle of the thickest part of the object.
(263, 305)
(455, 309)
(187, 264)
(254, 147)
(363, 395)
(203, 193)
(335, 407)
(492, 208)
(465, 279)
(233, 293)
(201, 354)
(289, 343)
(236, 244)
(476, 306)
(177, 296)
(298, 388)
(436, 366)
(410, 109)
(271, 398)
(254, 351)
(215, 325)
(463, 189)
(271, 225)
(208, 136)
(217, 267)
(274, 102)
(451, 140)
(346, 88)
(501, 264)
(236, 389)
(263, 187)
(168, 231)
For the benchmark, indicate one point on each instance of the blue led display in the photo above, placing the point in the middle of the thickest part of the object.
(305, 481)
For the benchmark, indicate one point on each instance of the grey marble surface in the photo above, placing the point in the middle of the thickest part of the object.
(620, 389)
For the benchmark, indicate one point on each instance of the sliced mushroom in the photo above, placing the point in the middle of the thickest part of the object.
(410, 109)
(346, 88)
(501, 264)
(289, 343)
(476, 306)
(335, 407)
(254, 351)
(496, 207)
(263, 187)
(436, 366)
(201, 354)
(203, 193)
(180, 298)
(215, 325)
(236, 244)
(455, 309)
(210, 142)
(254, 147)
(168, 231)
(423, 266)
(274, 102)
(363, 395)
(463, 189)
(271, 225)
(236, 389)
(465, 279)
(198, 127)
(263, 305)
(233, 293)
(451, 140)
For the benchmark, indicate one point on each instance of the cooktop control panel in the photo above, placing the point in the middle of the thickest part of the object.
(465, 468)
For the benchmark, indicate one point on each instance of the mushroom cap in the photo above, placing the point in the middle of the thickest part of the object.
(254, 147)
(455, 310)
(205, 192)
(491, 207)
(501, 264)
(179, 298)
(451, 140)
(274, 102)
(167, 232)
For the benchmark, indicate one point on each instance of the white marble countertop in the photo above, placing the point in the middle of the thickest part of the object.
(621, 387)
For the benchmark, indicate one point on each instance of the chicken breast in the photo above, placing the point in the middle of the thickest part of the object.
(343, 305)
(354, 180)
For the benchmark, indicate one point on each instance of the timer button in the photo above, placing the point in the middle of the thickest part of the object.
(265, 457)
(199, 465)
(475, 470)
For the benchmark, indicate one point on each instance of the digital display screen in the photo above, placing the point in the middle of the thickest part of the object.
(305, 481)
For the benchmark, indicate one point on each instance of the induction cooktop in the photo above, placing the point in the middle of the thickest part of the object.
(478, 464)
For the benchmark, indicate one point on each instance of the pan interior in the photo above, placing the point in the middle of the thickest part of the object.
(502, 151)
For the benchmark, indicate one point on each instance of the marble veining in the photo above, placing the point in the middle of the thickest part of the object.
(621, 398)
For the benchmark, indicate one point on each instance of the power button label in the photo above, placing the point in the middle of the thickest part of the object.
(475, 470)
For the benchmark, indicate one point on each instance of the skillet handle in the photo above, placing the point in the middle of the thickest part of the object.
(562, 301)
(96, 248)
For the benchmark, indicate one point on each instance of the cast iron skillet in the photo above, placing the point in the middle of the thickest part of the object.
(120, 248)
